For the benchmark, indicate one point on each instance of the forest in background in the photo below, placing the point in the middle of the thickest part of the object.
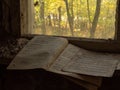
(76, 18)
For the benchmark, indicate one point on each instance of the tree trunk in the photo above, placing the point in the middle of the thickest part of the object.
(59, 11)
(50, 21)
(88, 10)
(72, 14)
(42, 16)
(96, 17)
(70, 18)
(54, 19)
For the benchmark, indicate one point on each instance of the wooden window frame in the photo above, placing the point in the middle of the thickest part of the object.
(117, 22)
(26, 16)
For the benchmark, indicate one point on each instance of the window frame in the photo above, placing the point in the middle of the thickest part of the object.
(117, 21)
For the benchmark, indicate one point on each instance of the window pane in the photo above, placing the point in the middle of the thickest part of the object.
(76, 18)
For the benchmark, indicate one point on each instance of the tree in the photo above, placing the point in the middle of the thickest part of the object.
(59, 11)
(70, 16)
(49, 20)
(96, 17)
(88, 9)
(42, 16)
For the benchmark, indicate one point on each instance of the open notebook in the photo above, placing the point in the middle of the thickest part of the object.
(56, 55)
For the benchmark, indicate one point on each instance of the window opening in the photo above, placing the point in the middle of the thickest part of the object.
(75, 18)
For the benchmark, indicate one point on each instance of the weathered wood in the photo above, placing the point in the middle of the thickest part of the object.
(10, 18)
(117, 22)
(26, 16)
(15, 17)
(23, 16)
(111, 46)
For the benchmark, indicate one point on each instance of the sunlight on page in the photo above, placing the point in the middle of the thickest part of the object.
(40, 52)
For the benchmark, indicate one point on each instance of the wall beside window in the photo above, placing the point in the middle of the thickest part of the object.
(9, 18)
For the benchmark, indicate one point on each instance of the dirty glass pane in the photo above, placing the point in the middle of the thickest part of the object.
(75, 18)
